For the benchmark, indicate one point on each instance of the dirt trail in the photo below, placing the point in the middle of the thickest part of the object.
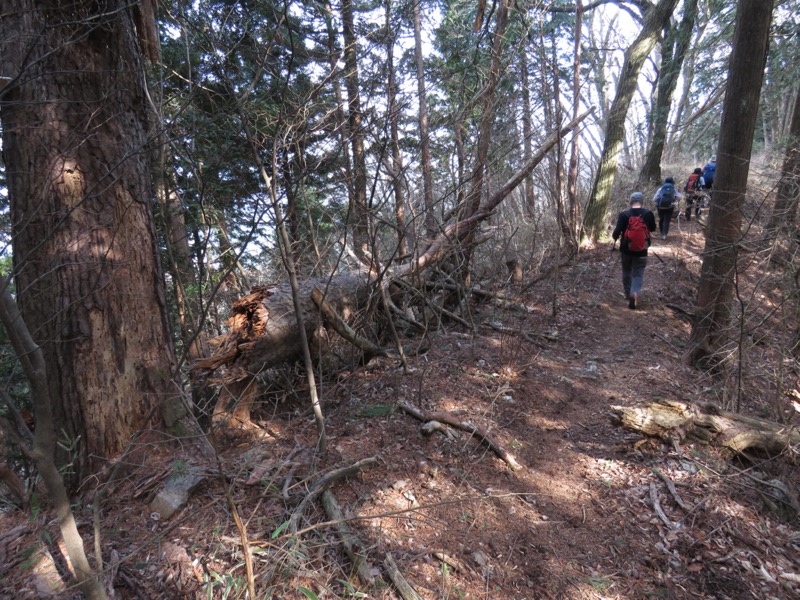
(580, 520)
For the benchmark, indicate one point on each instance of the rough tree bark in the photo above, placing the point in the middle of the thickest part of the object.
(654, 22)
(86, 265)
(740, 109)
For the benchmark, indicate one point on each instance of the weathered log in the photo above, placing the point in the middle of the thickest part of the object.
(671, 420)
(263, 330)
(322, 484)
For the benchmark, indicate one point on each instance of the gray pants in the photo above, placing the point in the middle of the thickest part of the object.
(632, 273)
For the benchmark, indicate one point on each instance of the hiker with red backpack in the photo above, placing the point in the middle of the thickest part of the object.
(665, 200)
(634, 226)
(693, 189)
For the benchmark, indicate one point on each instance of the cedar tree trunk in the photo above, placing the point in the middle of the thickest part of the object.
(740, 109)
(87, 274)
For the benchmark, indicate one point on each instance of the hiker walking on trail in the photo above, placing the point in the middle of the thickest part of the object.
(665, 199)
(692, 189)
(634, 226)
(709, 171)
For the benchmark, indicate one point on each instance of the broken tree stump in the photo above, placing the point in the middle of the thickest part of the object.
(737, 433)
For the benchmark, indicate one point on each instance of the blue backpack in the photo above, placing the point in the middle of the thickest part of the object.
(666, 198)
(708, 173)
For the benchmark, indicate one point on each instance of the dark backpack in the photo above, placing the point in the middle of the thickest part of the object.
(666, 199)
(636, 233)
(693, 184)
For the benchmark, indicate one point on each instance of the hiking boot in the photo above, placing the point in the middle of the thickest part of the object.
(633, 301)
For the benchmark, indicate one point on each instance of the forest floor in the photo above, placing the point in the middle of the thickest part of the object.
(579, 520)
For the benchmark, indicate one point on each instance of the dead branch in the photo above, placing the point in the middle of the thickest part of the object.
(369, 349)
(353, 546)
(400, 582)
(240, 526)
(671, 487)
(498, 299)
(450, 419)
(323, 483)
(657, 507)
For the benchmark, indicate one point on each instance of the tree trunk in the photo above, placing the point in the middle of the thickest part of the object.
(784, 213)
(676, 45)
(424, 133)
(359, 215)
(654, 22)
(472, 201)
(572, 170)
(527, 128)
(740, 109)
(86, 265)
(396, 172)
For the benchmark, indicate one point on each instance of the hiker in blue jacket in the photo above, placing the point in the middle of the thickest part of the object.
(709, 171)
(634, 226)
(665, 200)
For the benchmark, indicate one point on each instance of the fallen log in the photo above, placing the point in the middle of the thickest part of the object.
(263, 332)
(737, 433)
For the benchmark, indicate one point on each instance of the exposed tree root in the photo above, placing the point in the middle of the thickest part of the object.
(450, 419)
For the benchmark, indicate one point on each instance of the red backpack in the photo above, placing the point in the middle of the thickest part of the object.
(693, 184)
(636, 233)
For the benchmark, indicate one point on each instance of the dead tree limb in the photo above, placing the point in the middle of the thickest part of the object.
(476, 430)
(323, 483)
(369, 349)
(353, 546)
(670, 420)
(400, 582)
